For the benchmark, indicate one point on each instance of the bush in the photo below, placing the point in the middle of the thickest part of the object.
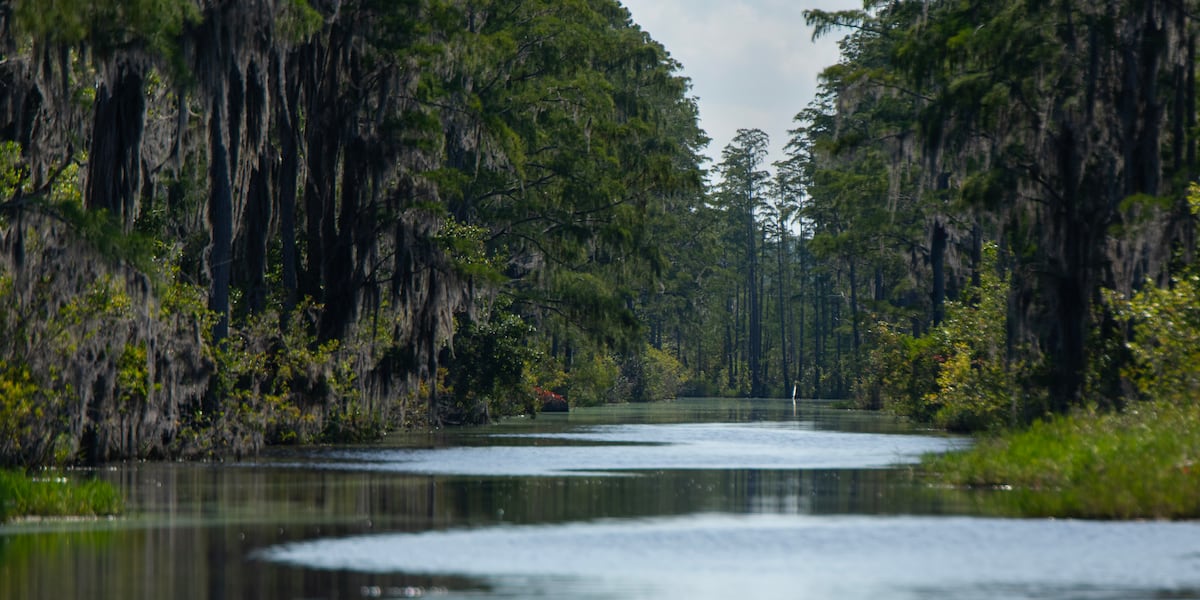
(900, 374)
(25, 435)
(957, 376)
(593, 381)
(977, 387)
(649, 376)
(1166, 343)
(663, 375)
(487, 377)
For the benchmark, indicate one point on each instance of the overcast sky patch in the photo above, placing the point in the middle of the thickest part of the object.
(752, 63)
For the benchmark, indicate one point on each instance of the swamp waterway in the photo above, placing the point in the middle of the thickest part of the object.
(703, 498)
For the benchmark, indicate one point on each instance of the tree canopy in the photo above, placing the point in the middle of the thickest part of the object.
(335, 190)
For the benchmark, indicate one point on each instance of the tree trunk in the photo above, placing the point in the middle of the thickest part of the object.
(256, 230)
(220, 217)
(1189, 224)
(323, 150)
(782, 283)
(341, 283)
(288, 92)
(754, 341)
(857, 338)
(115, 158)
(820, 315)
(730, 345)
(937, 260)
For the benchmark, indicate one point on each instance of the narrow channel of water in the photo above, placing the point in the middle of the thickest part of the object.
(691, 499)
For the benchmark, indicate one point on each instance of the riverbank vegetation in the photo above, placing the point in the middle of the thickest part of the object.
(994, 230)
(1137, 464)
(957, 220)
(281, 221)
(50, 494)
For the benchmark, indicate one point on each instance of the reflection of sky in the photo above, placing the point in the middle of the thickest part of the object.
(752, 63)
(770, 556)
(608, 448)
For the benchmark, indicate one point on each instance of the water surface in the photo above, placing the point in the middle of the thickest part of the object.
(692, 499)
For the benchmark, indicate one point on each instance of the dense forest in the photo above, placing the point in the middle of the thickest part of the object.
(983, 218)
(234, 223)
(228, 224)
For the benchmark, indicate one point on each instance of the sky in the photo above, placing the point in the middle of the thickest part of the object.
(752, 63)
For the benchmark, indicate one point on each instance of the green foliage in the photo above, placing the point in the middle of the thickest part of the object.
(1137, 463)
(543, 143)
(35, 403)
(596, 306)
(12, 169)
(950, 123)
(21, 409)
(973, 393)
(299, 21)
(133, 377)
(977, 386)
(90, 315)
(50, 494)
(488, 375)
(958, 375)
(1140, 464)
(657, 375)
(900, 373)
(283, 385)
(593, 380)
(1166, 338)
(465, 244)
(573, 133)
(64, 199)
(187, 302)
(1164, 348)
(108, 25)
(106, 234)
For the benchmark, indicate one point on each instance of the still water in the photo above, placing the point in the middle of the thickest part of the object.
(690, 499)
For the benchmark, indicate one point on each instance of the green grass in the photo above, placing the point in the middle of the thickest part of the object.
(1140, 464)
(50, 494)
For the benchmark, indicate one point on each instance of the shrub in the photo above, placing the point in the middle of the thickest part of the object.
(1166, 343)
(958, 375)
(664, 375)
(649, 376)
(900, 373)
(593, 380)
(488, 374)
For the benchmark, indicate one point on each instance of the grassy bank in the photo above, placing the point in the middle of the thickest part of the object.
(50, 494)
(1143, 463)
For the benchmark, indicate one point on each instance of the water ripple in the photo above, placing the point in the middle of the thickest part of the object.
(631, 448)
(772, 556)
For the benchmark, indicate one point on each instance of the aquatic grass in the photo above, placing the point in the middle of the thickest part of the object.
(50, 494)
(1142, 463)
